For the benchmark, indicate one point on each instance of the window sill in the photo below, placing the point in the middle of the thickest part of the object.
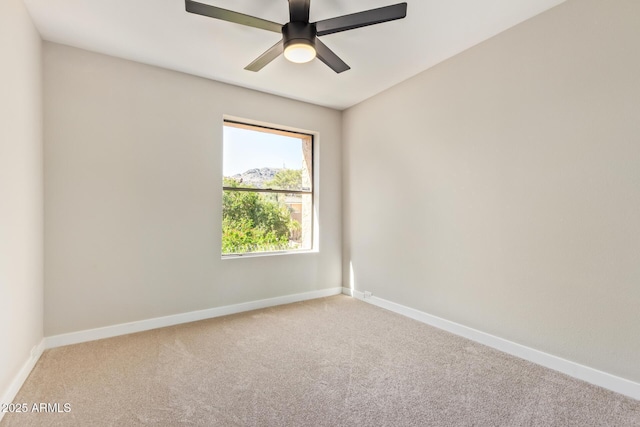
(269, 254)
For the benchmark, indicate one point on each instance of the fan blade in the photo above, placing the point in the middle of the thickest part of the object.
(361, 19)
(299, 10)
(228, 15)
(272, 53)
(327, 56)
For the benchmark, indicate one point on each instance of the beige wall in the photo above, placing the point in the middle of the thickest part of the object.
(20, 190)
(501, 189)
(133, 170)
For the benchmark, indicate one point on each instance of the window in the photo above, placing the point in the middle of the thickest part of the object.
(267, 190)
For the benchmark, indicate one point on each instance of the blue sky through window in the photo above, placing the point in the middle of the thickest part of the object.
(247, 149)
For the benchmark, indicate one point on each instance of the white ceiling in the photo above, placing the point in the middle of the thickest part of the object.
(161, 33)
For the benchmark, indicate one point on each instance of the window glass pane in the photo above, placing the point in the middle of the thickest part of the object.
(279, 216)
(265, 222)
(255, 158)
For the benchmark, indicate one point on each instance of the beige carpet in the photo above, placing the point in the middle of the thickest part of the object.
(327, 362)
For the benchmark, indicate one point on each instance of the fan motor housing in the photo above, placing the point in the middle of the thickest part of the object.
(299, 32)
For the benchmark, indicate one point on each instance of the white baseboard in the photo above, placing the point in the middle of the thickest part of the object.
(176, 319)
(22, 375)
(573, 369)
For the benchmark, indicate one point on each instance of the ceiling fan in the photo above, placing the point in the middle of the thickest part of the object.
(300, 41)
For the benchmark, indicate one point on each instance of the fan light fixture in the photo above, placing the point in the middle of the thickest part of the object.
(300, 42)
(299, 53)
